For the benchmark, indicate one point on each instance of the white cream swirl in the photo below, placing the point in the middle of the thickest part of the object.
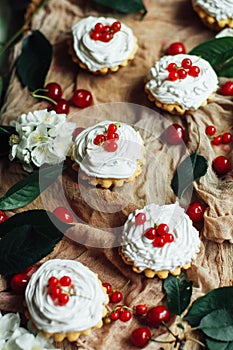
(137, 248)
(84, 309)
(189, 93)
(97, 54)
(95, 161)
(219, 9)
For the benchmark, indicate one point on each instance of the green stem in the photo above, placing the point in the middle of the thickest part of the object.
(35, 94)
(162, 341)
(169, 330)
(195, 341)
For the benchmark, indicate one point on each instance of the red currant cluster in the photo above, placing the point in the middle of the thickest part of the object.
(103, 32)
(59, 295)
(20, 280)
(182, 72)
(224, 138)
(108, 139)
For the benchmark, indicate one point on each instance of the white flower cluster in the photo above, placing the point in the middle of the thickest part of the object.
(14, 337)
(43, 137)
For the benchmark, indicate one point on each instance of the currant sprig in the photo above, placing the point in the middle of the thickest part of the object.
(187, 68)
(60, 290)
(103, 32)
(109, 139)
(159, 235)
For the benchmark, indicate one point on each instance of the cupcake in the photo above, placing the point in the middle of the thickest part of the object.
(108, 154)
(65, 299)
(181, 83)
(101, 45)
(215, 14)
(159, 240)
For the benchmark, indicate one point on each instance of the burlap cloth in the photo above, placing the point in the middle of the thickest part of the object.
(100, 214)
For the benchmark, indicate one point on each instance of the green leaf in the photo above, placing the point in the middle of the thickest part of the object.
(27, 238)
(29, 188)
(218, 52)
(218, 324)
(189, 170)
(213, 344)
(5, 133)
(34, 61)
(124, 6)
(219, 298)
(179, 293)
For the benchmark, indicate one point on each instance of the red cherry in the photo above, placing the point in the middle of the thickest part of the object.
(106, 36)
(182, 74)
(99, 27)
(150, 233)
(99, 139)
(221, 165)
(53, 281)
(210, 130)
(63, 214)
(112, 128)
(55, 292)
(65, 281)
(227, 138)
(62, 106)
(110, 146)
(194, 71)
(108, 287)
(116, 26)
(76, 132)
(31, 269)
(94, 35)
(162, 229)
(176, 48)
(173, 76)
(3, 216)
(174, 134)
(140, 218)
(54, 91)
(19, 282)
(168, 238)
(172, 67)
(116, 296)
(156, 315)
(114, 315)
(63, 299)
(82, 98)
(217, 140)
(186, 63)
(196, 211)
(125, 315)
(158, 242)
(141, 309)
(140, 337)
(227, 89)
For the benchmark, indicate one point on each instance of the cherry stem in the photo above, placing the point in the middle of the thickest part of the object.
(125, 285)
(35, 94)
(195, 341)
(162, 341)
(169, 330)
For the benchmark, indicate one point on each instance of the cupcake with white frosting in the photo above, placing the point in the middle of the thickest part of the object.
(214, 13)
(65, 299)
(108, 154)
(181, 83)
(158, 240)
(102, 44)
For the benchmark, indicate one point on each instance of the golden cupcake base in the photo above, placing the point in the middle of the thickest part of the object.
(212, 22)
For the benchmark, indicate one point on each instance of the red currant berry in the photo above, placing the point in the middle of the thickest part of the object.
(3, 216)
(168, 238)
(112, 136)
(221, 165)
(162, 229)
(19, 282)
(112, 128)
(99, 27)
(217, 140)
(172, 67)
(194, 71)
(106, 28)
(62, 106)
(108, 287)
(227, 138)
(210, 130)
(63, 299)
(173, 76)
(76, 132)
(174, 134)
(53, 281)
(106, 36)
(227, 89)
(65, 281)
(158, 242)
(116, 296)
(140, 218)
(176, 48)
(116, 26)
(186, 63)
(114, 315)
(140, 337)
(125, 315)
(182, 74)
(141, 309)
(110, 146)
(150, 233)
(55, 292)
(156, 315)
(82, 98)
(99, 139)
(54, 91)
(196, 211)
(94, 35)
(63, 214)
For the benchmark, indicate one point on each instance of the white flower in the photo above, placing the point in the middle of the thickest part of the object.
(8, 324)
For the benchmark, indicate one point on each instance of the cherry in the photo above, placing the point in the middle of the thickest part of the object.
(217, 140)
(150, 233)
(76, 132)
(116, 296)
(210, 130)
(174, 134)
(158, 242)
(54, 91)
(63, 299)
(125, 315)
(110, 146)
(227, 138)
(221, 165)
(141, 309)
(172, 67)
(112, 128)
(99, 27)
(53, 281)
(168, 238)
(194, 71)
(140, 218)
(19, 282)
(140, 337)
(63, 214)
(99, 139)
(173, 76)
(196, 211)
(156, 315)
(182, 74)
(186, 63)
(227, 89)
(176, 48)
(116, 26)
(3, 216)
(114, 315)
(162, 229)
(65, 281)
(62, 106)
(108, 287)
(82, 98)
